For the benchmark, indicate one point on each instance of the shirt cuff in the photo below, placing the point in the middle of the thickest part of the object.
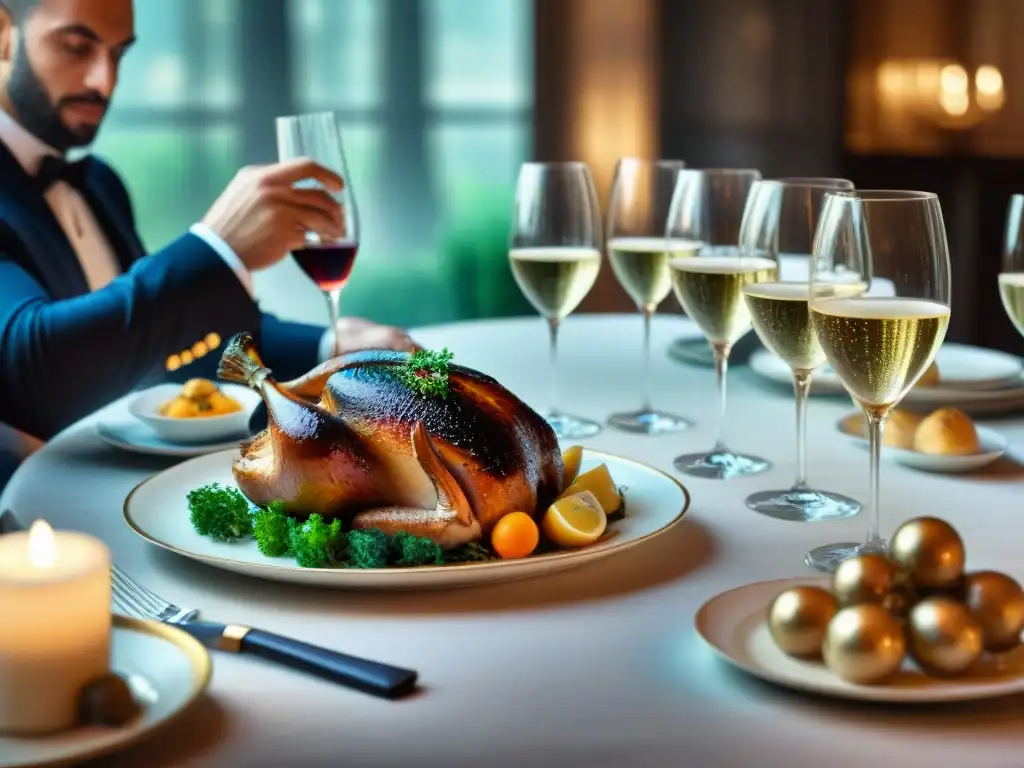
(222, 249)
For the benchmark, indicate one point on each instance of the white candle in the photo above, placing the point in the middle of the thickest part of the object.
(54, 626)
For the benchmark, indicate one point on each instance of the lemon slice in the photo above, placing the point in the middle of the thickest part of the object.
(575, 521)
(572, 457)
(598, 481)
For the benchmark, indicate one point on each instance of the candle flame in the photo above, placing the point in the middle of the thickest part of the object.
(42, 552)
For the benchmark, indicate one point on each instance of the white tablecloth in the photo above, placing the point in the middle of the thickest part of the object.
(598, 666)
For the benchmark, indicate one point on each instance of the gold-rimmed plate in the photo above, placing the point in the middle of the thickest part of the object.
(166, 669)
(157, 510)
(734, 624)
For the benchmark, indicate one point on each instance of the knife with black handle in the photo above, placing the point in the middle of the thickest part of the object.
(368, 676)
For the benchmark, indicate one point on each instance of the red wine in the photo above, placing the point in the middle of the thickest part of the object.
(328, 265)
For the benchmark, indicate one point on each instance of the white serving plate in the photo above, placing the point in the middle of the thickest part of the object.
(134, 437)
(207, 429)
(734, 625)
(993, 446)
(167, 671)
(157, 510)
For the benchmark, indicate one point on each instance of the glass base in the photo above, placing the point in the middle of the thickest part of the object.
(828, 557)
(572, 427)
(803, 505)
(721, 465)
(649, 422)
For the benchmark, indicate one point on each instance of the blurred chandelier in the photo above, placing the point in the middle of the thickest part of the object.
(942, 92)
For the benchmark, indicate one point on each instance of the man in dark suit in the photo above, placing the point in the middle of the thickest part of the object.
(85, 315)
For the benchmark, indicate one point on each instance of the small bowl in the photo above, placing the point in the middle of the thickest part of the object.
(993, 446)
(204, 429)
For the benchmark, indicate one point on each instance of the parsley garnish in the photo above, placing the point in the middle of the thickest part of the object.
(426, 372)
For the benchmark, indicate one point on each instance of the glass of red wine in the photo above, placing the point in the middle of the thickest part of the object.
(327, 262)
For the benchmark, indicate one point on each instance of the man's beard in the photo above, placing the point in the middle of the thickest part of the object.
(38, 114)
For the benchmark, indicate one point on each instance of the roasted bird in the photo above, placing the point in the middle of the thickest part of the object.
(440, 451)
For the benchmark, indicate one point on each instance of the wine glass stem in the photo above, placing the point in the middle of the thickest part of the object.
(876, 425)
(553, 362)
(721, 372)
(647, 407)
(801, 388)
(334, 307)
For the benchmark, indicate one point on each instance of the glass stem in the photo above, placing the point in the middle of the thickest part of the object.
(721, 372)
(647, 407)
(801, 388)
(334, 308)
(876, 425)
(553, 362)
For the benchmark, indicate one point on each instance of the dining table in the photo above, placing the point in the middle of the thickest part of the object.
(599, 665)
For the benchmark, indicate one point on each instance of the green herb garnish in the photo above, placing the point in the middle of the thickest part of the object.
(368, 548)
(219, 512)
(474, 552)
(224, 514)
(272, 530)
(426, 372)
(316, 543)
(408, 549)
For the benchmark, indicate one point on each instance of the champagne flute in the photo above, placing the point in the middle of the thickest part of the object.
(555, 256)
(780, 220)
(707, 208)
(1011, 276)
(327, 263)
(639, 254)
(878, 346)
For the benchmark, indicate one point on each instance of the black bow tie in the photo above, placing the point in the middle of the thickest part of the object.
(54, 169)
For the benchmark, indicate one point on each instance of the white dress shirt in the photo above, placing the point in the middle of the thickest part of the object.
(94, 251)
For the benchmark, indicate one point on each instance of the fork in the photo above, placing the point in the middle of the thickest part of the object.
(133, 599)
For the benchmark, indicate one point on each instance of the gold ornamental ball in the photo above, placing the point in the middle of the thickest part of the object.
(955, 590)
(900, 601)
(945, 638)
(930, 551)
(864, 644)
(798, 618)
(864, 579)
(997, 602)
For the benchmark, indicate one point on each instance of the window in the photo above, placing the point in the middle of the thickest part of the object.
(435, 98)
(173, 130)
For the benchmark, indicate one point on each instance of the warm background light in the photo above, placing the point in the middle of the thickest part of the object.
(988, 85)
(954, 79)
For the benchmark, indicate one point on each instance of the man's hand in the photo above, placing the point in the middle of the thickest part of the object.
(355, 334)
(262, 216)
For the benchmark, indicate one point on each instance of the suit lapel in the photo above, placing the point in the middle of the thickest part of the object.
(45, 248)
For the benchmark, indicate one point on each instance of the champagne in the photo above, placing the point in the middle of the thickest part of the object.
(1011, 291)
(555, 279)
(879, 347)
(782, 320)
(641, 266)
(710, 288)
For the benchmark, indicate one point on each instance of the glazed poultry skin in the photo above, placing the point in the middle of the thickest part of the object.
(352, 439)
